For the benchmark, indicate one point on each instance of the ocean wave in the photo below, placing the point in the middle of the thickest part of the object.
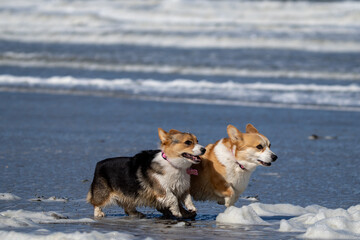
(140, 39)
(49, 61)
(177, 85)
(312, 26)
(229, 92)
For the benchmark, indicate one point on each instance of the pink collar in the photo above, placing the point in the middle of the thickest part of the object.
(240, 165)
(189, 171)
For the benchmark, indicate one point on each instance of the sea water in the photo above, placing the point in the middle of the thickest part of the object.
(298, 54)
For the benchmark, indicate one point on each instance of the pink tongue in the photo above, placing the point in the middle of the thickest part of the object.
(195, 158)
(192, 171)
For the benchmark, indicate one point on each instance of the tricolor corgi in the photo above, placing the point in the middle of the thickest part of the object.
(153, 178)
(227, 165)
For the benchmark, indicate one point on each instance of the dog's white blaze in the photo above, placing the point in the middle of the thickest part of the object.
(234, 150)
(197, 149)
(262, 138)
(265, 156)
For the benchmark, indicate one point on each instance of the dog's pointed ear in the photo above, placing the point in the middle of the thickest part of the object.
(174, 131)
(234, 133)
(162, 135)
(251, 129)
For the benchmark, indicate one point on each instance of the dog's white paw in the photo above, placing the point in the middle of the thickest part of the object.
(192, 209)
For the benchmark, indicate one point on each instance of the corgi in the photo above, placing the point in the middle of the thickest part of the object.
(227, 165)
(153, 178)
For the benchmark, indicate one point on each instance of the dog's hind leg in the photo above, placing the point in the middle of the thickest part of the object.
(98, 213)
(99, 196)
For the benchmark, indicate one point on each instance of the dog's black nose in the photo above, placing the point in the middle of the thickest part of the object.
(273, 157)
(203, 150)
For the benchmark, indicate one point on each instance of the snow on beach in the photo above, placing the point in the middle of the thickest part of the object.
(313, 221)
(36, 223)
(8, 196)
(42, 234)
(50, 199)
(23, 218)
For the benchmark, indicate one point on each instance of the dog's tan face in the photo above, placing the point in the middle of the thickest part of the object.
(251, 146)
(177, 144)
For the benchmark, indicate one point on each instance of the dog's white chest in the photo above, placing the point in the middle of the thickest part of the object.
(239, 179)
(174, 180)
(235, 176)
(177, 181)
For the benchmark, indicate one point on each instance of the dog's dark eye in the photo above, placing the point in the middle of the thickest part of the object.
(188, 142)
(259, 146)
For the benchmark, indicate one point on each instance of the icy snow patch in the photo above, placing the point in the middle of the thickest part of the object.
(282, 209)
(244, 215)
(22, 218)
(326, 223)
(8, 196)
(314, 222)
(94, 235)
(50, 199)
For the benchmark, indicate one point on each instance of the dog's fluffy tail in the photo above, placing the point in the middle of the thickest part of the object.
(89, 196)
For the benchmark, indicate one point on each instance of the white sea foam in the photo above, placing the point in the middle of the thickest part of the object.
(41, 60)
(178, 85)
(198, 23)
(229, 92)
(8, 196)
(314, 222)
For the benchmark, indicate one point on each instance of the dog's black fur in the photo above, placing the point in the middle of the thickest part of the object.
(119, 173)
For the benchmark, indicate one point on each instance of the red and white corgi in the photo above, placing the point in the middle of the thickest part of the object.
(226, 167)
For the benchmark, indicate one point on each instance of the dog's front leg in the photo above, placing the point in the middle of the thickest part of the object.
(191, 209)
(230, 201)
(188, 202)
(170, 201)
(230, 197)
